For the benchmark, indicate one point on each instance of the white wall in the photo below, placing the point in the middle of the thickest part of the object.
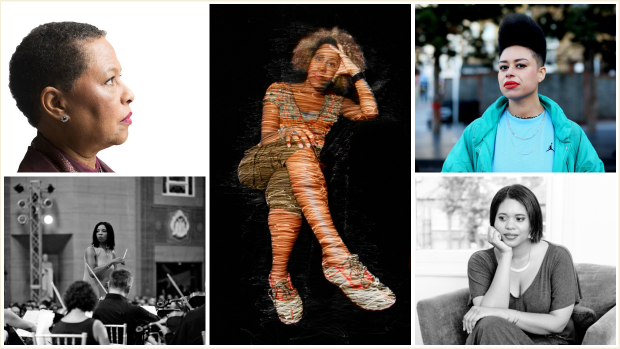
(583, 216)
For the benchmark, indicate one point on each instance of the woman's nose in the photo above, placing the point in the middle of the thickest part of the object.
(127, 96)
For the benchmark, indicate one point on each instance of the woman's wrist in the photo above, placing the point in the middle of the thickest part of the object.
(505, 253)
(357, 76)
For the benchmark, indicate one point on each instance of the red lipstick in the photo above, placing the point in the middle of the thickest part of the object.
(510, 84)
(127, 119)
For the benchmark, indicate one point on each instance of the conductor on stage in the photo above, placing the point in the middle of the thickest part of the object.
(101, 258)
(116, 310)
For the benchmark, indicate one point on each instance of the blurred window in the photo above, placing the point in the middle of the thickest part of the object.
(452, 213)
(178, 186)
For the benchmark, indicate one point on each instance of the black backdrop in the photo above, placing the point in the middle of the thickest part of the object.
(250, 48)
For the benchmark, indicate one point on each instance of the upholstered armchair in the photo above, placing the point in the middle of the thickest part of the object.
(441, 317)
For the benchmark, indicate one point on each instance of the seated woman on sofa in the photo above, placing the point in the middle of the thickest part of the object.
(523, 290)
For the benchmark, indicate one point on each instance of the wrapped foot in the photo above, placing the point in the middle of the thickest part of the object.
(359, 285)
(286, 300)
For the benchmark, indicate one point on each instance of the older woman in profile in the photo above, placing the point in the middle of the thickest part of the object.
(65, 78)
(303, 113)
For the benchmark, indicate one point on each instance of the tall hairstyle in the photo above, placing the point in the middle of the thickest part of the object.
(110, 241)
(80, 295)
(51, 54)
(121, 279)
(524, 196)
(307, 46)
(520, 29)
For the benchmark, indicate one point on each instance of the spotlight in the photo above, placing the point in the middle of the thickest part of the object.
(48, 219)
(50, 188)
(22, 219)
(18, 188)
(21, 203)
(47, 203)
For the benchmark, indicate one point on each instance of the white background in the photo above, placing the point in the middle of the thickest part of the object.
(163, 49)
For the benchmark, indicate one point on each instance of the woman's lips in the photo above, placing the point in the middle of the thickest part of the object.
(127, 119)
(510, 84)
(511, 236)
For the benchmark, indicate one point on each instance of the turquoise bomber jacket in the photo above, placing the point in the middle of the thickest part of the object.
(474, 151)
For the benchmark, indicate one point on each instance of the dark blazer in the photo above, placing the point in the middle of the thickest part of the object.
(191, 327)
(116, 310)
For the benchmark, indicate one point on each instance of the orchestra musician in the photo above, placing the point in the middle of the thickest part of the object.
(12, 321)
(115, 309)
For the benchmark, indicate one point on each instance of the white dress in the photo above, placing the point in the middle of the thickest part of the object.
(102, 257)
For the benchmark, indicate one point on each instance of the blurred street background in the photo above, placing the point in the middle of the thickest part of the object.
(457, 63)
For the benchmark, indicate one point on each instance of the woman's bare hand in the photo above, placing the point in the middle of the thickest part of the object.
(495, 238)
(119, 260)
(301, 134)
(475, 314)
(346, 65)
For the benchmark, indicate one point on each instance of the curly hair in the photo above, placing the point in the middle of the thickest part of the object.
(110, 241)
(50, 55)
(80, 295)
(307, 46)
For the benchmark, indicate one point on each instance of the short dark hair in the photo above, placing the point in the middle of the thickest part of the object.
(50, 55)
(110, 241)
(121, 279)
(519, 29)
(80, 295)
(307, 46)
(525, 196)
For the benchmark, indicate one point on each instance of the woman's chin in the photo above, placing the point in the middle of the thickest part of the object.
(120, 137)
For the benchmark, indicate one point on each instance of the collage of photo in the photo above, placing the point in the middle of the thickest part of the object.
(231, 174)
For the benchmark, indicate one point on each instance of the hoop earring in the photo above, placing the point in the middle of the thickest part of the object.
(64, 118)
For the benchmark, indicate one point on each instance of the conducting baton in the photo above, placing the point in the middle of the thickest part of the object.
(58, 295)
(178, 290)
(125, 254)
(95, 275)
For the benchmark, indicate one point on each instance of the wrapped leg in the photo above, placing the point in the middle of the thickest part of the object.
(339, 266)
(310, 190)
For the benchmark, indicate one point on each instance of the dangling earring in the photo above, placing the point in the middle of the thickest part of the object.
(529, 236)
(64, 118)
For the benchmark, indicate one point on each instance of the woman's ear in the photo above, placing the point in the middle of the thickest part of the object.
(542, 72)
(53, 102)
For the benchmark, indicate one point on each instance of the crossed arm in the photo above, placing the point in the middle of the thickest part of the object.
(496, 300)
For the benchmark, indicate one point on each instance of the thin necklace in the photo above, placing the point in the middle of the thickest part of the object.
(519, 270)
(299, 90)
(539, 126)
(535, 145)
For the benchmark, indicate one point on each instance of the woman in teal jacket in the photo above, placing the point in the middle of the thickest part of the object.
(522, 131)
